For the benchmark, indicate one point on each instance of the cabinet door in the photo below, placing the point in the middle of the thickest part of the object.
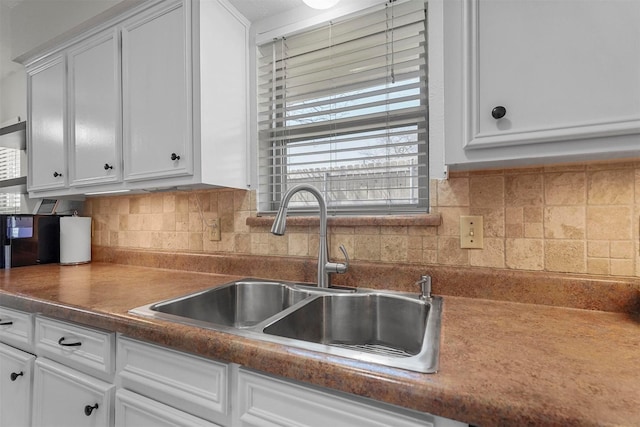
(16, 378)
(94, 110)
(66, 398)
(557, 67)
(46, 147)
(134, 410)
(157, 107)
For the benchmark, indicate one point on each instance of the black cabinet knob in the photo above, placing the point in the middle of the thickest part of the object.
(56, 174)
(498, 112)
(89, 409)
(14, 376)
(107, 166)
(174, 156)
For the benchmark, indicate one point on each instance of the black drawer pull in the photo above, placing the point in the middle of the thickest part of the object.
(89, 409)
(56, 174)
(15, 376)
(107, 166)
(69, 344)
(5, 322)
(174, 156)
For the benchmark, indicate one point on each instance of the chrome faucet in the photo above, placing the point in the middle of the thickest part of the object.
(280, 224)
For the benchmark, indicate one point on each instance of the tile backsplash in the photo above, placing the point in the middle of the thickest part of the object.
(575, 218)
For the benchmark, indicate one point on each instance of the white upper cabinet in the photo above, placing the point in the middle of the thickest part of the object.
(47, 161)
(94, 110)
(156, 97)
(537, 82)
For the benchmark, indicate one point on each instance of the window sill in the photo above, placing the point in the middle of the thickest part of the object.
(425, 220)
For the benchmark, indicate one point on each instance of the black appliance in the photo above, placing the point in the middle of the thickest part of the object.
(29, 240)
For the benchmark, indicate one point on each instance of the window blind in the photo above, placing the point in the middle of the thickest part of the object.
(343, 107)
(9, 168)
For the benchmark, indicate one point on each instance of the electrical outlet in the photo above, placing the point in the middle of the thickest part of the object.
(471, 232)
(214, 230)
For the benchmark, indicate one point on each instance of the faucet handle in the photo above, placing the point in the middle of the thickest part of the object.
(337, 267)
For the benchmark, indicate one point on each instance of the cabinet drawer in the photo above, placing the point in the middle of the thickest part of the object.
(65, 397)
(87, 350)
(16, 328)
(186, 382)
(133, 410)
(269, 401)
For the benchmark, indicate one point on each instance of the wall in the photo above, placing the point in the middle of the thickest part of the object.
(26, 24)
(578, 218)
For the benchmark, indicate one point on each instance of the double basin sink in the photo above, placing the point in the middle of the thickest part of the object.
(388, 328)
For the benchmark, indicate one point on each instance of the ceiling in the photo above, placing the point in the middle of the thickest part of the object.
(255, 10)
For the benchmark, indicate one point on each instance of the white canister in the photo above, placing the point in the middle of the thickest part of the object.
(75, 240)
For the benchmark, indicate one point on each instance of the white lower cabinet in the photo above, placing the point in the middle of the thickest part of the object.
(177, 381)
(65, 397)
(16, 380)
(268, 401)
(134, 410)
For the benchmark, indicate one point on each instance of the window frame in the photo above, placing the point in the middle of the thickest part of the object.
(270, 205)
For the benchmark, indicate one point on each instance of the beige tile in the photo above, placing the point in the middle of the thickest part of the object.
(240, 221)
(451, 220)
(430, 243)
(567, 188)
(524, 254)
(393, 230)
(453, 192)
(182, 221)
(298, 244)
(367, 247)
(225, 202)
(450, 253)
(492, 254)
(514, 230)
(622, 267)
(534, 230)
(493, 220)
(243, 243)
(123, 205)
(523, 190)
(169, 203)
(393, 248)
(564, 222)
(610, 187)
(533, 214)
(622, 249)
(242, 200)
(334, 246)
(598, 266)
(609, 223)
(156, 204)
(486, 190)
(598, 249)
(195, 242)
(513, 215)
(367, 230)
(567, 256)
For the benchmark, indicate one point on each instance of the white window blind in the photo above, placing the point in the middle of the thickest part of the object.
(343, 107)
(9, 169)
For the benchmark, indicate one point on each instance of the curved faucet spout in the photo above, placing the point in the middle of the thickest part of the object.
(280, 224)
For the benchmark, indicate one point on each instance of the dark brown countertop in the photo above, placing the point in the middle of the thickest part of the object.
(501, 363)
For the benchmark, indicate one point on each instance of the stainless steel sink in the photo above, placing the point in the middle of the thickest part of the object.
(238, 304)
(367, 322)
(388, 328)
